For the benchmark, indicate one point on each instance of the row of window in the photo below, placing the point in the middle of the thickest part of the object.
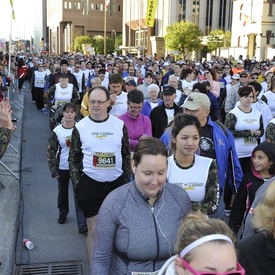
(93, 7)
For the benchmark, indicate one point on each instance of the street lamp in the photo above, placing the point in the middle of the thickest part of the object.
(115, 38)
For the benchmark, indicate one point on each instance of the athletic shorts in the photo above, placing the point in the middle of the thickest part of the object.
(90, 193)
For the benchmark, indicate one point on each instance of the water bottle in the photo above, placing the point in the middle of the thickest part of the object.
(29, 245)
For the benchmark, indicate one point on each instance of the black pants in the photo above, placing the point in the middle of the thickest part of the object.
(38, 94)
(63, 199)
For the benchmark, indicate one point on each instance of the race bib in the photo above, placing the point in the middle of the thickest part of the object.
(250, 141)
(39, 81)
(103, 160)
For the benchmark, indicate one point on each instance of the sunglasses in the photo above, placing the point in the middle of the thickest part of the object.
(243, 76)
(239, 271)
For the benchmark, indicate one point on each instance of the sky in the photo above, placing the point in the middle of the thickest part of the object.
(22, 26)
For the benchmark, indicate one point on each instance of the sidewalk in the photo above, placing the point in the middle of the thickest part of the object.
(10, 195)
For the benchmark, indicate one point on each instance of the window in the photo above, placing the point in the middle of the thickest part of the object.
(195, 12)
(92, 6)
(101, 7)
(96, 7)
(270, 8)
(182, 9)
(268, 35)
(142, 35)
(70, 5)
(118, 8)
(209, 15)
(65, 5)
(222, 14)
(75, 5)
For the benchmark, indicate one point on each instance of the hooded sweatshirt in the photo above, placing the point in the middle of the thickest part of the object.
(251, 182)
(169, 267)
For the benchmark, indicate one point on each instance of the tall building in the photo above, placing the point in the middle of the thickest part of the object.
(66, 19)
(138, 38)
(253, 31)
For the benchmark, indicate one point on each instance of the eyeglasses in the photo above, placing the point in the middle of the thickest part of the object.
(239, 271)
(243, 76)
(98, 102)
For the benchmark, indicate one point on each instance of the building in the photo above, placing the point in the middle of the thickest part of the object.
(66, 19)
(253, 31)
(140, 39)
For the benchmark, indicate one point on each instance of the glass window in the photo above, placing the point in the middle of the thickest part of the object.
(70, 5)
(65, 5)
(182, 9)
(92, 6)
(209, 15)
(97, 7)
(195, 12)
(101, 7)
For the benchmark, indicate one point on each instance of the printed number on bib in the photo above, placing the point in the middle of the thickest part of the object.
(104, 160)
(250, 141)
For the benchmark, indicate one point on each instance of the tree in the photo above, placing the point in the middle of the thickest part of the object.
(217, 39)
(184, 37)
(99, 45)
(82, 39)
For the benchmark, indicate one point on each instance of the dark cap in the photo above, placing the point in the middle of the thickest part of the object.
(131, 82)
(169, 90)
(268, 148)
(64, 62)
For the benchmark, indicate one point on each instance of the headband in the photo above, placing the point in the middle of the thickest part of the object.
(202, 240)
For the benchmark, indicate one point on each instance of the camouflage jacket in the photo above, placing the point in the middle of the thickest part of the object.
(53, 154)
(49, 96)
(5, 136)
(230, 122)
(76, 157)
(270, 132)
(211, 200)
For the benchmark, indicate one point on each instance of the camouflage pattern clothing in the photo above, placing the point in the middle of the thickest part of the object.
(230, 122)
(76, 157)
(270, 131)
(49, 96)
(53, 154)
(5, 136)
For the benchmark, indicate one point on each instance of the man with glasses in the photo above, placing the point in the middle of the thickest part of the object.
(216, 142)
(136, 123)
(99, 158)
(163, 114)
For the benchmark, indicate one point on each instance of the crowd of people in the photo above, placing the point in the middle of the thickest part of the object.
(146, 141)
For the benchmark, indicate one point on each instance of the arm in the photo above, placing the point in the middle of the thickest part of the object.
(49, 95)
(229, 101)
(230, 122)
(264, 99)
(75, 158)
(104, 239)
(84, 110)
(270, 132)
(51, 154)
(211, 200)
(238, 208)
(126, 156)
(75, 96)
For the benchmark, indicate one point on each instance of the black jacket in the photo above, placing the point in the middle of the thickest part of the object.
(159, 119)
(257, 255)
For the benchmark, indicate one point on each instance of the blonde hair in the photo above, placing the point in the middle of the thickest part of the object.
(95, 80)
(264, 213)
(196, 225)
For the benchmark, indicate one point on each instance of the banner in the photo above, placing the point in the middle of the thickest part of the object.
(151, 11)
(13, 15)
(107, 2)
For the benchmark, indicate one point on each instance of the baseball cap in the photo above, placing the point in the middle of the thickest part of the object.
(244, 73)
(168, 90)
(196, 100)
(131, 82)
(235, 76)
(239, 62)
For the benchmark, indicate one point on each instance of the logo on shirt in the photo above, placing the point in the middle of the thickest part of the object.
(102, 135)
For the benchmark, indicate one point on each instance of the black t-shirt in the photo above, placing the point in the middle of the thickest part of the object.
(206, 144)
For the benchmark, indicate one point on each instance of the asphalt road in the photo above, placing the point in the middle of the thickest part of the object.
(53, 242)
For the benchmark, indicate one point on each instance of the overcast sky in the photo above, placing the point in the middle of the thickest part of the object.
(22, 26)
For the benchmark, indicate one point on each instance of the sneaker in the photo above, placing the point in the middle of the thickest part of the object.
(33, 102)
(39, 110)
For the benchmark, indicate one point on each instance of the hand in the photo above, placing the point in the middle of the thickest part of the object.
(5, 115)
(112, 99)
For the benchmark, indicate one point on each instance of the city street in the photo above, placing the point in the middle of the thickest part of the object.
(55, 245)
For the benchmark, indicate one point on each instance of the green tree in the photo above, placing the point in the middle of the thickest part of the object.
(118, 43)
(99, 45)
(184, 37)
(217, 39)
(82, 39)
